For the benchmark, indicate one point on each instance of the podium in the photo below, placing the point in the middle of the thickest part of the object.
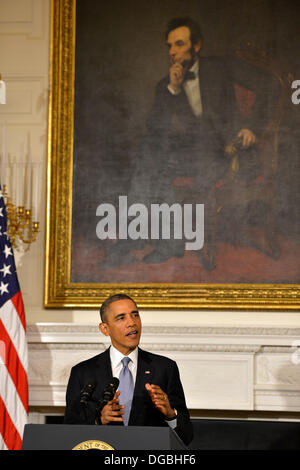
(93, 437)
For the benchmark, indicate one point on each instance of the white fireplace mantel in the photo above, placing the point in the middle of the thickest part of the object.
(230, 368)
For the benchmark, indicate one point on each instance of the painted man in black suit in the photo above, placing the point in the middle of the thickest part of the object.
(158, 398)
(195, 117)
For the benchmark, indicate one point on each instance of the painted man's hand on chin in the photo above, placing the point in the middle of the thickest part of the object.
(176, 73)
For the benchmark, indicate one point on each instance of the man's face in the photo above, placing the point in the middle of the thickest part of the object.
(181, 48)
(123, 325)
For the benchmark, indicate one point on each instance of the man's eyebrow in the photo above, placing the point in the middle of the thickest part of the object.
(122, 314)
(177, 42)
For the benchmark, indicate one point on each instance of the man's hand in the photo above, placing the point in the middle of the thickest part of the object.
(160, 400)
(248, 137)
(176, 73)
(112, 411)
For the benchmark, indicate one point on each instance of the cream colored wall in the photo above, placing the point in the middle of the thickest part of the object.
(24, 64)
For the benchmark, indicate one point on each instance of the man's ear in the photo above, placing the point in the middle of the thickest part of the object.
(103, 327)
(197, 46)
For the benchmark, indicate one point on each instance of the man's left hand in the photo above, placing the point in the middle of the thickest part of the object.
(248, 137)
(160, 400)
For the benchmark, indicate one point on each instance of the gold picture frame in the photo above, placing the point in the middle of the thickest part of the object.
(60, 292)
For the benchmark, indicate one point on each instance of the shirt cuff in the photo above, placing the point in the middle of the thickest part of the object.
(173, 92)
(172, 423)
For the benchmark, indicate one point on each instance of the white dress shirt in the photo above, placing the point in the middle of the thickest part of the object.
(192, 90)
(116, 366)
(116, 362)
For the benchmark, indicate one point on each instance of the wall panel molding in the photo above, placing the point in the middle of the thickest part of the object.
(25, 17)
(221, 368)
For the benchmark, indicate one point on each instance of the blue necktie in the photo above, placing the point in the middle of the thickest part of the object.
(126, 389)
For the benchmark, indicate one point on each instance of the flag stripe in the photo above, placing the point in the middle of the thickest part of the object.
(13, 346)
(9, 433)
(12, 402)
(2, 443)
(14, 327)
(17, 300)
(15, 367)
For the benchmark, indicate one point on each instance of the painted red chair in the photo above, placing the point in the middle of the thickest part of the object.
(232, 191)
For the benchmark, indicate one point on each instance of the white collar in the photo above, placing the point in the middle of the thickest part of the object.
(116, 356)
(195, 67)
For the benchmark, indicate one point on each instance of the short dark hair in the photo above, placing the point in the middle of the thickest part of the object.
(194, 27)
(113, 298)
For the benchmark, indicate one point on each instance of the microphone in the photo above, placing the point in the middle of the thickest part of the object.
(86, 394)
(108, 393)
(110, 390)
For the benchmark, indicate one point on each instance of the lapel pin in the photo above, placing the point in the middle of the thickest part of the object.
(147, 372)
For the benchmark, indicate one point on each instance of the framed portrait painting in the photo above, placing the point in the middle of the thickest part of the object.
(173, 154)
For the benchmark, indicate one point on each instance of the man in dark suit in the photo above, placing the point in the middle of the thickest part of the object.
(158, 397)
(195, 117)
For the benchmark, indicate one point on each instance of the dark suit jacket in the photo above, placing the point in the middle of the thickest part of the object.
(217, 77)
(182, 145)
(153, 369)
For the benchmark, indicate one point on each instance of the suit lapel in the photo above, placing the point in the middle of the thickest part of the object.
(103, 372)
(144, 372)
(144, 375)
(203, 84)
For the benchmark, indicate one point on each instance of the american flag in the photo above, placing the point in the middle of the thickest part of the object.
(13, 346)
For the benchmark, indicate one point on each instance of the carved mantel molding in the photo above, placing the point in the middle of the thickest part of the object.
(230, 368)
